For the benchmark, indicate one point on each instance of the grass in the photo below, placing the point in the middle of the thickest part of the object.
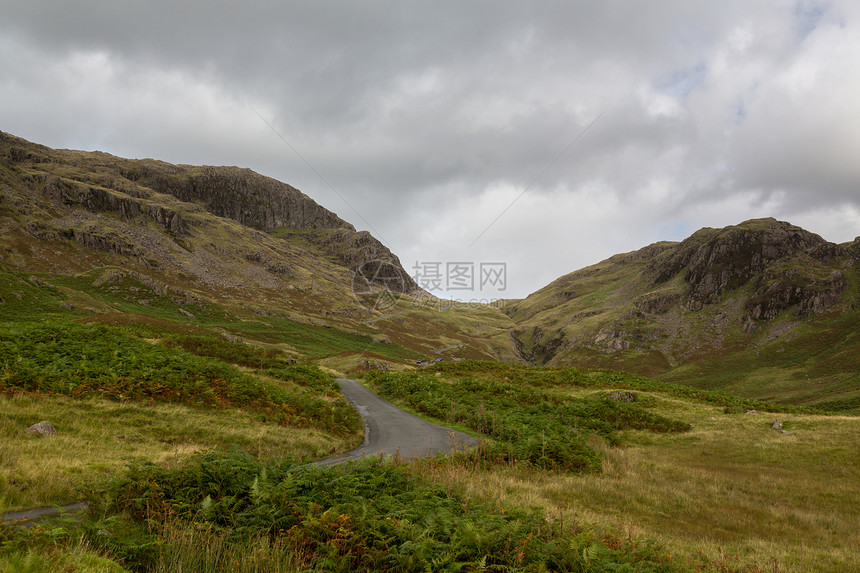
(58, 555)
(316, 342)
(728, 494)
(63, 358)
(115, 393)
(816, 365)
(96, 439)
(732, 492)
(530, 425)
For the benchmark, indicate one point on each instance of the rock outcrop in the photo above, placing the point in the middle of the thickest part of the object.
(240, 194)
(717, 260)
(149, 212)
(669, 302)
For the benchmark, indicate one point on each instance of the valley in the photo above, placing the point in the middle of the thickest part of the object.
(182, 327)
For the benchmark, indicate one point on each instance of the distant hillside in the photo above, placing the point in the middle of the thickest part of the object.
(148, 238)
(764, 308)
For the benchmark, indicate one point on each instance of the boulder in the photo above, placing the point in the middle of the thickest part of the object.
(43, 428)
(623, 396)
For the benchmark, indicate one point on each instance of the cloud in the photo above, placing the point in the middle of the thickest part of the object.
(430, 120)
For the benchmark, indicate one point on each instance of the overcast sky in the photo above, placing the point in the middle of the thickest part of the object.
(592, 128)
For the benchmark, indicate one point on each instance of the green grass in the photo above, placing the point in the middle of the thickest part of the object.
(721, 495)
(23, 297)
(731, 491)
(817, 365)
(80, 360)
(527, 424)
(96, 438)
(564, 377)
(128, 294)
(315, 342)
(56, 553)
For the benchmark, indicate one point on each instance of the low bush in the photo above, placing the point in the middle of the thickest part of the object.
(80, 360)
(363, 516)
(526, 424)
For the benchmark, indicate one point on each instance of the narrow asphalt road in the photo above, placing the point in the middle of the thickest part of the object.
(388, 430)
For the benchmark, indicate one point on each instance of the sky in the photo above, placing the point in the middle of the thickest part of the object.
(498, 142)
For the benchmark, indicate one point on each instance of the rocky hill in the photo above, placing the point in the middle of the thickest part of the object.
(96, 225)
(680, 309)
(145, 209)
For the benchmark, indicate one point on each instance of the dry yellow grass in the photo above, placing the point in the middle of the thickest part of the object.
(733, 488)
(97, 438)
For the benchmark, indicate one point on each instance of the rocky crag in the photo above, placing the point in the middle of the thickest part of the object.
(671, 303)
(146, 214)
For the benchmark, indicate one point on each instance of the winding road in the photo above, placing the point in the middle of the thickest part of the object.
(388, 430)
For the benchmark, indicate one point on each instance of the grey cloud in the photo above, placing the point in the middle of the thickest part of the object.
(406, 107)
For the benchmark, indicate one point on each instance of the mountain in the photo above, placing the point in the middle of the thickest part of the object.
(120, 239)
(155, 216)
(763, 308)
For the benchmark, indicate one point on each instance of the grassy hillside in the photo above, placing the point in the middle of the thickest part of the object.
(630, 474)
(214, 247)
(729, 490)
(762, 309)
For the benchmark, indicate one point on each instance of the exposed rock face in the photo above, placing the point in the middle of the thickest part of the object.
(623, 396)
(536, 346)
(362, 250)
(657, 302)
(790, 288)
(150, 212)
(671, 302)
(171, 220)
(854, 249)
(239, 194)
(717, 260)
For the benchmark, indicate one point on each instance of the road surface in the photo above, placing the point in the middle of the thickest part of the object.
(388, 430)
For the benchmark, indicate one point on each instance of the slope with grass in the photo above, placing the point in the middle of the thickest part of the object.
(630, 474)
(764, 309)
(215, 247)
(728, 489)
(180, 326)
(114, 392)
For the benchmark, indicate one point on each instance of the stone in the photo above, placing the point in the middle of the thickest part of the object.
(623, 396)
(232, 338)
(752, 412)
(43, 428)
(777, 425)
